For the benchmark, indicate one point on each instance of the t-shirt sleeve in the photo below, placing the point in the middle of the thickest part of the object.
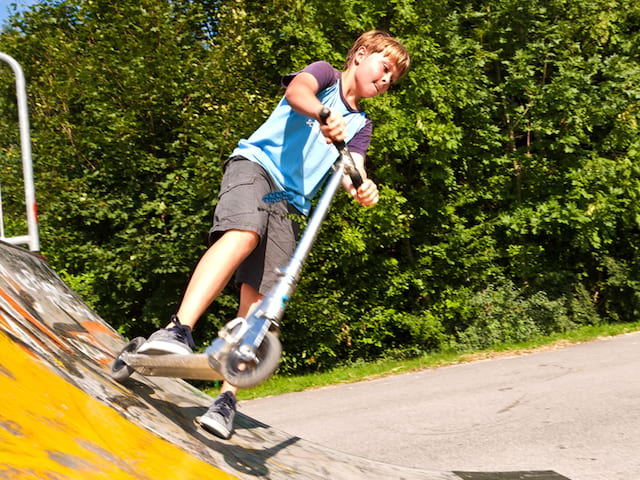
(324, 73)
(360, 142)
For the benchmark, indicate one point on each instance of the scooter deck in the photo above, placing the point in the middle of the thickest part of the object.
(192, 367)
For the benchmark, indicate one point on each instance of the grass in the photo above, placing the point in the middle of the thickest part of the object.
(361, 371)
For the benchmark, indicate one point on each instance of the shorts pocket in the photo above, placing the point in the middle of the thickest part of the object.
(229, 184)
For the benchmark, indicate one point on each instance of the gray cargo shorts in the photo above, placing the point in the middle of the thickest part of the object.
(242, 206)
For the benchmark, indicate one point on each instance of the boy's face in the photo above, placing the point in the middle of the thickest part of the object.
(374, 73)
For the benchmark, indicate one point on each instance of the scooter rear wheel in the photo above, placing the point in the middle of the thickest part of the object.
(120, 370)
(243, 374)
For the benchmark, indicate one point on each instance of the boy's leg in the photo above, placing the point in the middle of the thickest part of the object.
(211, 275)
(213, 272)
(249, 299)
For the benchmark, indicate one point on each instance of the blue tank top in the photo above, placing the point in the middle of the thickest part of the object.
(291, 148)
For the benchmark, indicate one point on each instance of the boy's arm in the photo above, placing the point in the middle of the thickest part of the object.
(301, 94)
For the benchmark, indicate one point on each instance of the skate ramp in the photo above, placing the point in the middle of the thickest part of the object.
(63, 416)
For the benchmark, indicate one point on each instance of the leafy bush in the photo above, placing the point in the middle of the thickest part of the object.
(504, 314)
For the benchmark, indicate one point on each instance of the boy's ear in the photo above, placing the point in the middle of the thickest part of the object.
(360, 55)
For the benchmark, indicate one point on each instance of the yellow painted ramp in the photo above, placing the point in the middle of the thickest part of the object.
(52, 429)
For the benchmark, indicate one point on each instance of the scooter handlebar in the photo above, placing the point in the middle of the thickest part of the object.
(349, 165)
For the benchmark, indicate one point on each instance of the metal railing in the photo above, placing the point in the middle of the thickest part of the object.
(32, 238)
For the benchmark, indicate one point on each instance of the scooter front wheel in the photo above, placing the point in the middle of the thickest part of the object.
(246, 374)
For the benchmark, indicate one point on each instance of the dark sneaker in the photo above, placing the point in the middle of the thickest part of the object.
(219, 418)
(176, 339)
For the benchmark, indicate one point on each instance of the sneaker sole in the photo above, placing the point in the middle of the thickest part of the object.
(214, 428)
(162, 348)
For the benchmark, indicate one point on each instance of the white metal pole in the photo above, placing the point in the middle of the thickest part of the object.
(25, 147)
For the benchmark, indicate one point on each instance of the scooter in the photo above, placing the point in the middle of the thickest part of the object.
(246, 351)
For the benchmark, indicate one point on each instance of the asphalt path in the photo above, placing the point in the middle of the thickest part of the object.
(574, 410)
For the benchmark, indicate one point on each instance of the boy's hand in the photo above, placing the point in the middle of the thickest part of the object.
(367, 195)
(334, 128)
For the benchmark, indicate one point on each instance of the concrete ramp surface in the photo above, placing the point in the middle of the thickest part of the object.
(62, 416)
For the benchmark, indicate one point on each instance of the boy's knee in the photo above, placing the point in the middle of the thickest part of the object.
(243, 238)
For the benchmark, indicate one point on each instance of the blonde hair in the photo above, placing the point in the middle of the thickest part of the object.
(376, 41)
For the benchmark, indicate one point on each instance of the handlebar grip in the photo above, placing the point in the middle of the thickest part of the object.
(350, 165)
(324, 114)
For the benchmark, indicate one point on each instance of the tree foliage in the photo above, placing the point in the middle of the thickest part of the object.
(507, 161)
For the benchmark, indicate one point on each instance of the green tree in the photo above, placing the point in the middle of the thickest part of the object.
(507, 162)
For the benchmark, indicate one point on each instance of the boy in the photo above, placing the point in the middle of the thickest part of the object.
(291, 153)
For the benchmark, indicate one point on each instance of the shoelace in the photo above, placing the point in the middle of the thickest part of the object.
(223, 406)
(183, 332)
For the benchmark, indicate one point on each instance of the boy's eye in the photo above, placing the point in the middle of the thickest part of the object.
(387, 69)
